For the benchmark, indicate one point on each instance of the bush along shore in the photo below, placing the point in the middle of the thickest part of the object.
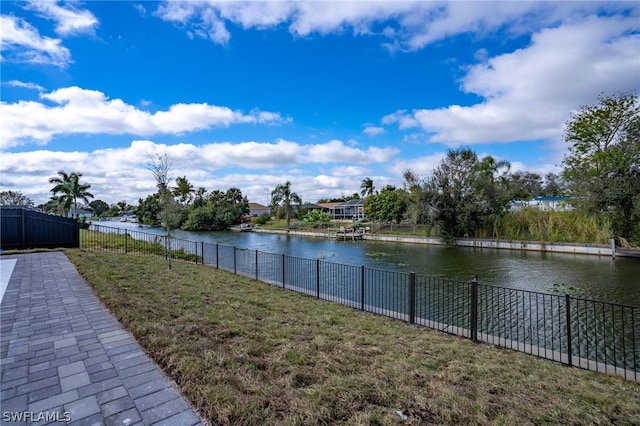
(246, 353)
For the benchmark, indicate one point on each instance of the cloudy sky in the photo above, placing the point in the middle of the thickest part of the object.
(319, 93)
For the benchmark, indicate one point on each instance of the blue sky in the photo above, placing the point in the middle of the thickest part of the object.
(322, 94)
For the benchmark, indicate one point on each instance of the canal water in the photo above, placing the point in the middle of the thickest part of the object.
(592, 277)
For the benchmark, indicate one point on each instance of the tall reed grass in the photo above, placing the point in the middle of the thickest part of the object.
(532, 223)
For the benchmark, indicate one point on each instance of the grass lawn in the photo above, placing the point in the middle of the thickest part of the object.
(247, 353)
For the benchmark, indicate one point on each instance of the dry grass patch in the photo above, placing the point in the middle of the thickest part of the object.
(247, 353)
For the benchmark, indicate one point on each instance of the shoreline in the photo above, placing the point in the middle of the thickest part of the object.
(496, 244)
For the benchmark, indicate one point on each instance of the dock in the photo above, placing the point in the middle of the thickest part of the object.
(346, 234)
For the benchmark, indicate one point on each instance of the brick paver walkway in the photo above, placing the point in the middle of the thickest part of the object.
(64, 356)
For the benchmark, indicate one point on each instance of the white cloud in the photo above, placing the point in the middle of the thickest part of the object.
(404, 119)
(422, 166)
(373, 131)
(336, 150)
(122, 173)
(24, 85)
(529, 93)
(23, 43)
(78, 110)
(141, 9)
(349, 171)
(415, 23)
(69, 20)
(208, 18)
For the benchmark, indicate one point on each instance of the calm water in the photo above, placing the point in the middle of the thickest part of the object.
(594, 277)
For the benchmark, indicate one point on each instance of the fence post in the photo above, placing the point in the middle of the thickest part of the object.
(23, 232)
(217, 258)
(76, 235)
(568, 314)
(362, 288)
(283, 259)
(256, 265)
(202, 250)
(234, 261)
(318, 278)
(126, 240)
(412, 298)
(473, 307)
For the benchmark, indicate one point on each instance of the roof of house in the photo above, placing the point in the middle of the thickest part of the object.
(79, 211)
(556, 198)
(358, 202)
(327, 205)
(311, 206)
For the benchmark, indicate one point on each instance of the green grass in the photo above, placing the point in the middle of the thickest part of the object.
(123, 242)
(246, 353)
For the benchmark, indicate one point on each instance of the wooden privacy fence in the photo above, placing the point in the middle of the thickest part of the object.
(25, 228)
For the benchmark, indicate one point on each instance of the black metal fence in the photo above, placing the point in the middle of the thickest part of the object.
(589, 334)
(25, 228)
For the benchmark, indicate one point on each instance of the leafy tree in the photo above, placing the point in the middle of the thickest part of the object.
(210, 218)
(366, 187)
(14, 198)
(148, 210)
(420, 202)
(525, 185)
(70, 190)
(493, 186)
(263, 219)
(217, 212)
(283, 197)
(341, 199)
(113, 211)
(316, 217)
(98, 207)
(603, 164)
(387, 206)
(554, 185)
(123, 206)
(455, 195)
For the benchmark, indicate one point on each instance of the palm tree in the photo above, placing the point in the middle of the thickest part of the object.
(200, 197)
(282, 196)
(70, 189)
(367, 188)
(216, 198)
(234, 196)
(489, 167)
(184, 190)
(55, 205)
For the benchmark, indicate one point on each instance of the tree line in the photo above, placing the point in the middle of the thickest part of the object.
(464, 196)
(183, 206)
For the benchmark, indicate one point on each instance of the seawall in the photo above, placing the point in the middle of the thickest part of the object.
(575, 248)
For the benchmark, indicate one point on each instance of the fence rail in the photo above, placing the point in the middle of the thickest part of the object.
(579, 332)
